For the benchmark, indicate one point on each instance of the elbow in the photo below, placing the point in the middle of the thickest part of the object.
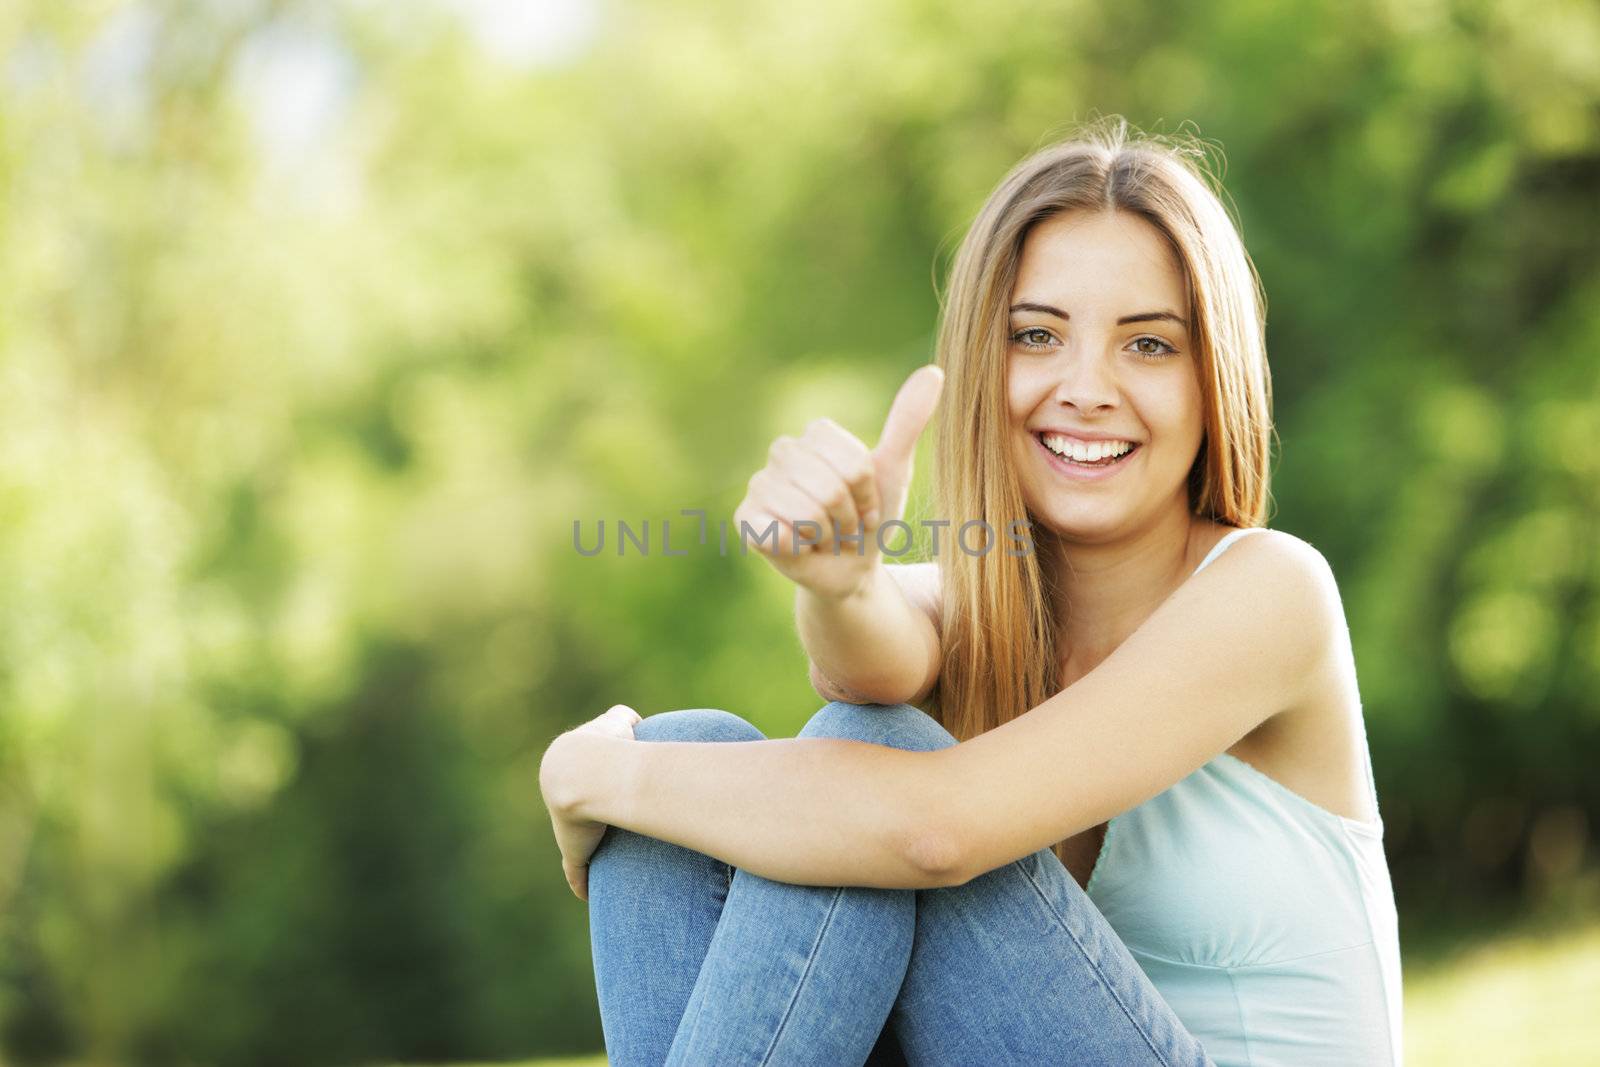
(936, 859)
(861, 691)
(936, 846)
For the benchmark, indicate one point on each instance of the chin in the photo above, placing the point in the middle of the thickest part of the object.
(1077, 523)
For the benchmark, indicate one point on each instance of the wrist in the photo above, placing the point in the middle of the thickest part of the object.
(850, 596)
(586, 774)
(563, 776)
(553, 776)
(609, 788)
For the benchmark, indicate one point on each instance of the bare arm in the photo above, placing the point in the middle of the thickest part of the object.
(880, 646)
(1230, 649)
(805, 810)
(1234, 646)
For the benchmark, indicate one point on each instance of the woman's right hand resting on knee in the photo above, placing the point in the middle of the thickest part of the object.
(869, 630)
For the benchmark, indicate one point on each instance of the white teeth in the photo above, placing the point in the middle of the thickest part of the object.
(1062, 445)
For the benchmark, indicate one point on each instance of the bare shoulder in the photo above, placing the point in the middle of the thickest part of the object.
(1286, 588)
(1315, 746)
(1282, 547)
(1276, 567)
(921, 585)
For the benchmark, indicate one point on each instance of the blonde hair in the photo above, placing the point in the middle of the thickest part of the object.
(998, 626)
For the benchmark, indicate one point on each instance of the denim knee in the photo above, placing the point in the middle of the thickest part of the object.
(894, 725)
(696, 724)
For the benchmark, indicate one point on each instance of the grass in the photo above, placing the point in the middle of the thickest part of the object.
(1526, 998)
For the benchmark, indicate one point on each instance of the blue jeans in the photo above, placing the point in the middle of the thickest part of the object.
(697, 963)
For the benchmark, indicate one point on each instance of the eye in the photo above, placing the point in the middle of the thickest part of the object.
(1035, 332)
(1162, 352)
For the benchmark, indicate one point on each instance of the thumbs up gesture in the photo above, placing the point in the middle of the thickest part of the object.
(825, 494)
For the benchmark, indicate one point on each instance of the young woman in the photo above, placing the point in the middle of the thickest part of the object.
(1140, 826)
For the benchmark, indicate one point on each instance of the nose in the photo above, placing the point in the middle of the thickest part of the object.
(1087, 381)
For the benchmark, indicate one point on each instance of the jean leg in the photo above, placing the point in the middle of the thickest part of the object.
(1019, 966)
(653, 908)
(805, 974)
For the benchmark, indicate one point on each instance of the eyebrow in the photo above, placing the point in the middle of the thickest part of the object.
(1143, 316)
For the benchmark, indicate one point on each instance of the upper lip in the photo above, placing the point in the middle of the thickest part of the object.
(1081, 435)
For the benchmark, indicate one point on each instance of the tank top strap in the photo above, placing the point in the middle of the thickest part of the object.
(1226, 540)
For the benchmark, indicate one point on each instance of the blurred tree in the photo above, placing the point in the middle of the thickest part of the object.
(325, 322)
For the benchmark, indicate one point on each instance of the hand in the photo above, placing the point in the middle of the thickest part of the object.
(559, 774)
(829, 478)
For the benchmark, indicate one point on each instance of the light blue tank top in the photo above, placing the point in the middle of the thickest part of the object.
(1266, 921)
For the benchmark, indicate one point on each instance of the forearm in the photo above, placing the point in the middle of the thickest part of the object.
(808, 811)
(874, 644)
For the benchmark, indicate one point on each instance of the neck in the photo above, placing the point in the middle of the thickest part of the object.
(1108, 589)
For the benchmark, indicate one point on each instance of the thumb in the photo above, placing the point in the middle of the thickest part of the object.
(908, 416)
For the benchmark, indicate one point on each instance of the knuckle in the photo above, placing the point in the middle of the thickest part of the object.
(855, 446)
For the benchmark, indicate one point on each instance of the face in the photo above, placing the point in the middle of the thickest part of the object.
(1100, 359)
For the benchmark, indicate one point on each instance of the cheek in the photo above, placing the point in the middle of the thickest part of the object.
(1193, 411)
(1176, 411)
(1024, 390)
(1194, 399)
(1016, 393)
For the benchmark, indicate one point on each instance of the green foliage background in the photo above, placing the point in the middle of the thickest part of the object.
(294, 427)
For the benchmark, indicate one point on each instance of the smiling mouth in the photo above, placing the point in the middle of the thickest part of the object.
(1109, 461)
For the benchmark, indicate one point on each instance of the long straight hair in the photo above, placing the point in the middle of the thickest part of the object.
(997, 620)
